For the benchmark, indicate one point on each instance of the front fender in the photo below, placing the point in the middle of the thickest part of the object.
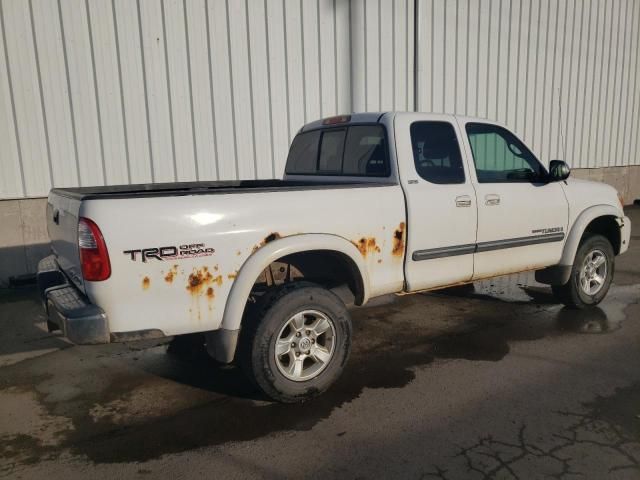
(580, 225)
(272, 251)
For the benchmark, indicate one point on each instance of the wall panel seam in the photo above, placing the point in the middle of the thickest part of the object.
(42, 105)
(12, 100)
(121, 90)
(146, 92)
(69, 93)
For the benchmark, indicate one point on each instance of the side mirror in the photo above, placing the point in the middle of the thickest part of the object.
(558, 170)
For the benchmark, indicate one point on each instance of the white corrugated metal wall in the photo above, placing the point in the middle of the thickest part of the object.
(126, 91)
(562, 73)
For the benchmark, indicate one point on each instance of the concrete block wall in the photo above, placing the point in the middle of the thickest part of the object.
(624, 179)
(23, 236)
(24, 240)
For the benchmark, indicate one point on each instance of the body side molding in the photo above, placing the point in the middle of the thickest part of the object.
(432, 253)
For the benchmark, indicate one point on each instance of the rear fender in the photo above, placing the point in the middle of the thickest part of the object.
(258, 261)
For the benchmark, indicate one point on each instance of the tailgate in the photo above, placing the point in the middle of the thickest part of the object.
(62, 225)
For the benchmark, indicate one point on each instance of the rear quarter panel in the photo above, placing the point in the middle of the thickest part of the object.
(188, 293)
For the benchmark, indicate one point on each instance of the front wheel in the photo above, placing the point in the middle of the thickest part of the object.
(295, 345)
(591, 274)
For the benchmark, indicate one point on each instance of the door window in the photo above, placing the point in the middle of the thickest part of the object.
(500, 157)
(436, 152)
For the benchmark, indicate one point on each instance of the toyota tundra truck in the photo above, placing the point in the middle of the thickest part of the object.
(369, 204)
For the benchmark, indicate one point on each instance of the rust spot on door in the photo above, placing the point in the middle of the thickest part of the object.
(146, 283)
(398, 241)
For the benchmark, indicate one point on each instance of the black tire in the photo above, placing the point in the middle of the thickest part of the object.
(571, 293)
(262, 328)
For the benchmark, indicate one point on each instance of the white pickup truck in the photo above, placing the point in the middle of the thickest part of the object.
(370, 204)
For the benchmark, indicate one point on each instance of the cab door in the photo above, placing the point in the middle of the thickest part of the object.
(441, 201)
(522, 218)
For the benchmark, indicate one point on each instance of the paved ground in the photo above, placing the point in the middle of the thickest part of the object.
(499, 382)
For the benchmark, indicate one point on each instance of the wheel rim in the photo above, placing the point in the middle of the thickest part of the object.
(305, 345)
(593, 272)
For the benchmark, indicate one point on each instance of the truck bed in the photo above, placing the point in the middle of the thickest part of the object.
(204, 188)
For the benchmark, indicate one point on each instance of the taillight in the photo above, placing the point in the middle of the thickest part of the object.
(94, 256)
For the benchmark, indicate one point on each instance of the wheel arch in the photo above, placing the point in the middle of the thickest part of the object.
(294, 245)
(601, 219)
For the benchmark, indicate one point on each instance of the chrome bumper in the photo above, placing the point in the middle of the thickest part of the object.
(68, 309)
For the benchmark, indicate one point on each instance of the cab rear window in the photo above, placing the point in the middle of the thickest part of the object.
(357, 150)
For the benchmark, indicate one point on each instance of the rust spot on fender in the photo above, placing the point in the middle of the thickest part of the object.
(268, 239)
(271, 237)
(217, 280)
(210, 296)
(198, 279)
(146, 283)
(232, 276)
(171, 274)
(367, 245)
(398, 241)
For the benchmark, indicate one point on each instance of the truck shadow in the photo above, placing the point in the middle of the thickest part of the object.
(379, 361)
(150, 402)
(24, 327)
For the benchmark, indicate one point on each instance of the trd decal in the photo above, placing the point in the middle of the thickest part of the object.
(171, 252)
(543, 231)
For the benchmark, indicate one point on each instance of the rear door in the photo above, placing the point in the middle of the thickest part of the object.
(441, 207)
(522, 218)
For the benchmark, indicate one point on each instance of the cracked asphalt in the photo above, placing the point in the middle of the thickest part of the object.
(494, 381)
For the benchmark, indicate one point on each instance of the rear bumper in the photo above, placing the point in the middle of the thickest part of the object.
(68, 309)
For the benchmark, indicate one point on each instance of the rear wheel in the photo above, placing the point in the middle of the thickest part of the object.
(296, 342)
(591, 274)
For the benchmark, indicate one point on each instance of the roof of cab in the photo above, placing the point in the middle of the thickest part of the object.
(376, 117)
(361, 117)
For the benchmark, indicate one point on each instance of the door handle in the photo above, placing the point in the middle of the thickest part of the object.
(492, 199)
(463, 201)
